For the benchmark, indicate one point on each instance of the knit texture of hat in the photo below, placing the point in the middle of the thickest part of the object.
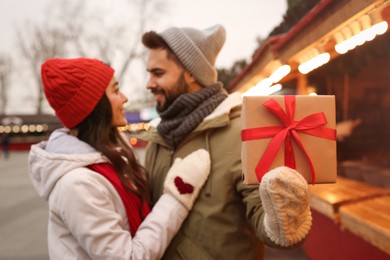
(73, 87)
(197, 50)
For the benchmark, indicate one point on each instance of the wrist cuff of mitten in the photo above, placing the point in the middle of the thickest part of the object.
(292, 235)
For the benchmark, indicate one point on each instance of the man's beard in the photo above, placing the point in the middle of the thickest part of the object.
(170, 94)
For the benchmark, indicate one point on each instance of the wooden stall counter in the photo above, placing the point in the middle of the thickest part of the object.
(370, 220)
(327, 238)
(328, 198)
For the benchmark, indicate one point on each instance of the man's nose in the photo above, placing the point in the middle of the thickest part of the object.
(151, 83)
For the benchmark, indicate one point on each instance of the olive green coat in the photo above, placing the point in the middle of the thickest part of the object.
(226, 221)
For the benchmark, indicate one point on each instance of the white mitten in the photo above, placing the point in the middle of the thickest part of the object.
(187, 176)
(286, 202)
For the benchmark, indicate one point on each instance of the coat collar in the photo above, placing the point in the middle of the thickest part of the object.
(221, 116)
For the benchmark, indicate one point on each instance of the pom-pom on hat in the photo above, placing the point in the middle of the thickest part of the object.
(197, 50)
(73, 87)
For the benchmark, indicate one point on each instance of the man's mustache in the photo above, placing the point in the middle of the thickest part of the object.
(157, 91)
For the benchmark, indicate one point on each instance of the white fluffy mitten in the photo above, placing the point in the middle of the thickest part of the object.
(286, 201)
(187, 176)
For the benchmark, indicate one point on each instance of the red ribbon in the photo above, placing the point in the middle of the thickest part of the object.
(313, 124)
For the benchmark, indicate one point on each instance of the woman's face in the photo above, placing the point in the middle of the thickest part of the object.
(117, 100)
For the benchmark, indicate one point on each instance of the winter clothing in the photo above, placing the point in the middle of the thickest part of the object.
(197, 50)
(73, 87)
(187, 111)
(228, 214)
(87, 219)
(285, 196)
(180, 184)
(134, 211)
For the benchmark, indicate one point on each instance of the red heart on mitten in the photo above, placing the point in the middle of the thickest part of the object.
(182, 187)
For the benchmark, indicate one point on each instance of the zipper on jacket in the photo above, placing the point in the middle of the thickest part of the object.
(208, 186)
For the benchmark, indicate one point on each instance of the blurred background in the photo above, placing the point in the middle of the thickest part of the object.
(299, 47)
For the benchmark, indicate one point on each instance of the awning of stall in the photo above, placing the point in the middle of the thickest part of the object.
(329, 23)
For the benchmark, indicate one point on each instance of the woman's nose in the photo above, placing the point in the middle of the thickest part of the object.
(124, 97)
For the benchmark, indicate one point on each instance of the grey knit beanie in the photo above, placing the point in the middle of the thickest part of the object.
(197, 50)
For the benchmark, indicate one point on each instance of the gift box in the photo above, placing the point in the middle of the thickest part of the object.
(295, 131)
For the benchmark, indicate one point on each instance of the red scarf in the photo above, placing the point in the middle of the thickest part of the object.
(130, 200)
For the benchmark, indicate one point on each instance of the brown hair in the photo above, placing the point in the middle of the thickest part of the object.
(97, 131)
(152, 40)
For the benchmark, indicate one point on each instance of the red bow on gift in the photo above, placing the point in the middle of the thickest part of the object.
(313, 124)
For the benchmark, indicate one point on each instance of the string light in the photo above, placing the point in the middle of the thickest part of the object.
(314, 63)
(265, 87)
(8, 129)
(361, 37)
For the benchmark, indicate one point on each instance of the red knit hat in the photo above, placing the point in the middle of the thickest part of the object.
(73, 87)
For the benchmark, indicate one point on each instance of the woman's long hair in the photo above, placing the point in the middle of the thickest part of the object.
(97, 131)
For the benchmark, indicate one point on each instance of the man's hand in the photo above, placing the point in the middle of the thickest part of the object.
(286, 201)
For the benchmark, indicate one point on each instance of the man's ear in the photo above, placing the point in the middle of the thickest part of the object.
(189, 79)
(191, 82)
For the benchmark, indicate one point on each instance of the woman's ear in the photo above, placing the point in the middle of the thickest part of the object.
(74, 132)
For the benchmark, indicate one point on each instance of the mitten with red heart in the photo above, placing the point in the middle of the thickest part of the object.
(187, 176)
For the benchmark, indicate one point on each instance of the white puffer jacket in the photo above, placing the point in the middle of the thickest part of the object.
(87, 219)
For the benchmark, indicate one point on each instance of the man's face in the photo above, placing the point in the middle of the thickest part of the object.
(166, 78)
